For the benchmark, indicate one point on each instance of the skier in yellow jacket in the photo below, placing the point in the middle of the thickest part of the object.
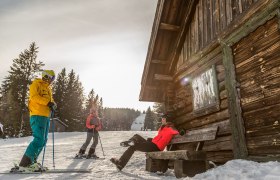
(40, 105)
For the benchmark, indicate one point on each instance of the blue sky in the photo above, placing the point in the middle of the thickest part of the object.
(104, 41)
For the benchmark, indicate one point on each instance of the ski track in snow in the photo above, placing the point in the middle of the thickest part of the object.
(68, 144)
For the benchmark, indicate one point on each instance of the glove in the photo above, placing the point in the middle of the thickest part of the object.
(52, 105)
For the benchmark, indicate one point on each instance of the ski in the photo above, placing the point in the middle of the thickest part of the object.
(51, 171)
(85, 157)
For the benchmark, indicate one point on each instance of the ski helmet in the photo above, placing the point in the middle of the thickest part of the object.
(48, 75)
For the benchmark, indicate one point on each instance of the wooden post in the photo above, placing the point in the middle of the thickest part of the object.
(236, 121)
(183, 168)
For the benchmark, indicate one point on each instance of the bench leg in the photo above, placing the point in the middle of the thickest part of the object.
(183, 168)
(154, 165)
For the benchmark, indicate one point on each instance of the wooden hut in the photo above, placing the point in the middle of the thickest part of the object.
(217, 63)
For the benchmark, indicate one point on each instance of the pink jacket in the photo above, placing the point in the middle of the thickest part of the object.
(165, 135)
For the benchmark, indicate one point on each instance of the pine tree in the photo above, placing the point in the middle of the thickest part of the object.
(72, 111)
(89, 101)
(16, 85)
(149, 120)
(159, 109)
(59, 89)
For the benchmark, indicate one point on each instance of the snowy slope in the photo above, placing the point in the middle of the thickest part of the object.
(67, 144)
(138, 123)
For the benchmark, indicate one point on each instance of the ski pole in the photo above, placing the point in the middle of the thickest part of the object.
(44, 150)
(53, 137)
(45, 142)
(101, 145)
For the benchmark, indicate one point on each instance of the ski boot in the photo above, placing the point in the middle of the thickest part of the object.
(91, 154)
(127, 143)
(35, 167)
(81, 154)
(117, 163)
(132, 141)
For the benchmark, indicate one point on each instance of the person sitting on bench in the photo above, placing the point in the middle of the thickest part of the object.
(138, 143)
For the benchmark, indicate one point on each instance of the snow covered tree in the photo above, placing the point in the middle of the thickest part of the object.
(15, 86)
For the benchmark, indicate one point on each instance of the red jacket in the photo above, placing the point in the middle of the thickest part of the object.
(89, 126)
(165, 134)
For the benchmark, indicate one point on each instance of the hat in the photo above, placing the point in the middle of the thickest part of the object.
(167, 117)
(48, 74)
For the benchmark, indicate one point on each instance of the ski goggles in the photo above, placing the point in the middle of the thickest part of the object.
(50, 78)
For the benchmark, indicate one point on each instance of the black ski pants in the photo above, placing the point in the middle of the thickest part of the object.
(141, 144)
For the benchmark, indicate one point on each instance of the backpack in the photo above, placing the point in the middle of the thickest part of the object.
(94, 121)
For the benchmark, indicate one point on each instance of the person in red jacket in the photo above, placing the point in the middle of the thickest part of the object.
(93, 125)
(138, 143)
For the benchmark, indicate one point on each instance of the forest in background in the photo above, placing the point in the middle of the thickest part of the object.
(68, 92)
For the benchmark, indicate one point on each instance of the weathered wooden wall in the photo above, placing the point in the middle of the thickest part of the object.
(211, 18)
(219, 150)
(257, 62)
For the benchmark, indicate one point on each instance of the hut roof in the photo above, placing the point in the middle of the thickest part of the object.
(167, 32)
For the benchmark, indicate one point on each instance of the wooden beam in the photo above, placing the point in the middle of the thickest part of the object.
(180, 40)
(169, 27)
(264, 158)
(205, 134)
(156, 61)
(240, 150)
(155, 28)
(162, 77)
(179, 154)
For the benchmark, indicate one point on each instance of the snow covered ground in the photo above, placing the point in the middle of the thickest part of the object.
(67, 145)
(138, 123)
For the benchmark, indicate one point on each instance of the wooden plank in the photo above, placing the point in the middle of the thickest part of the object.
(236, 121)
(205, 134)
(228, 11)
(264, 158)
(196, 23)
(205, 23)
(200, 62)
(220, 144)
(208, 21)
(219, 156)
(156, 61)
(190, 121)
(201, 29)
(217, 17)
(262, 102)
(223, 18)
(180, 154)
(169, 27)
(210, 5)
(257, 20)
(162, 77)
(180, 40)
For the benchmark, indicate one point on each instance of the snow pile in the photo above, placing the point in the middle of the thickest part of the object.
(68, 144)
(138, 123)
(243, 170)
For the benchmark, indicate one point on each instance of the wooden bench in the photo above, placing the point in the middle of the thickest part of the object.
(186, 163)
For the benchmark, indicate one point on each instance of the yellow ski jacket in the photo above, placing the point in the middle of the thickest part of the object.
(40, 95)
